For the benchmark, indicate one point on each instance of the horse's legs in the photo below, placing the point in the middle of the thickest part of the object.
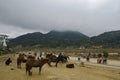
(64, 60)
(40, 70)
(26, 70)
(17, 63)
(30, 73)
(20, 65)
(49, 63)
(57, 62)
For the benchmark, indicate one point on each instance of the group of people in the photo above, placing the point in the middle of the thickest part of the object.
(100, 60)
(87, 57)
(61, 55)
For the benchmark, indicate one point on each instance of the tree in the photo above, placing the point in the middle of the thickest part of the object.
(105, 54)
(94, 55)
(99, 55)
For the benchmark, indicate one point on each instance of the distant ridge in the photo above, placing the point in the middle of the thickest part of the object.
(67, 35)
(67, 39)
(108, 39)
(51, 39)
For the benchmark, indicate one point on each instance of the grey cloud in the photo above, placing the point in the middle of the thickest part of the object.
(90, 18)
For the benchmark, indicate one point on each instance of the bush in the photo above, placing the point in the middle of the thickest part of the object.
(0, 53)
(105, 54)
(94, 55)
(99, 55)
(4, 52)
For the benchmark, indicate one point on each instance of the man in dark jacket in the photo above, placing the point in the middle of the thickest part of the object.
(8, 61)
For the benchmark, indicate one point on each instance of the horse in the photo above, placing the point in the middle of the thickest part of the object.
(55, 59)
(22, 59)
(35, 63)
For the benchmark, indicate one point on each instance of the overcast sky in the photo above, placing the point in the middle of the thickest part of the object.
(90, 17)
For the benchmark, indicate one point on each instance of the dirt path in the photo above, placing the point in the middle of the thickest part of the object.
(93, 61)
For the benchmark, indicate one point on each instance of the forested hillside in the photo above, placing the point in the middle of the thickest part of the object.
(52, 39)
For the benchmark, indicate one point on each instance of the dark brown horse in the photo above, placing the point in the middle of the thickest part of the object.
(35, 63)
(55, 59)
(21, 59)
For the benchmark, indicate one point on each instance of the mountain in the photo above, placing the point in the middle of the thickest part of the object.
(55, 39)
(30, 38)
(52, 39)
(107, 39)
(66, 35)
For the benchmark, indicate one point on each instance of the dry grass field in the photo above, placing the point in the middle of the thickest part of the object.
(60, 73)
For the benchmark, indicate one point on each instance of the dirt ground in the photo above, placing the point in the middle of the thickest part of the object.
(60, 73)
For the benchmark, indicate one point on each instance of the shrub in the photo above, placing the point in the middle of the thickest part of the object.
(105, 54)
(94, 55)
(99, 55)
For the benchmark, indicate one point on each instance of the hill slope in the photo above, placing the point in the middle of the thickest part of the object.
(108, 39)
(67, 39)
(51, 39)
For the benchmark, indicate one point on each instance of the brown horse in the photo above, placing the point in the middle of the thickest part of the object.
(35, 63)
(55, 59)
(21, 59)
